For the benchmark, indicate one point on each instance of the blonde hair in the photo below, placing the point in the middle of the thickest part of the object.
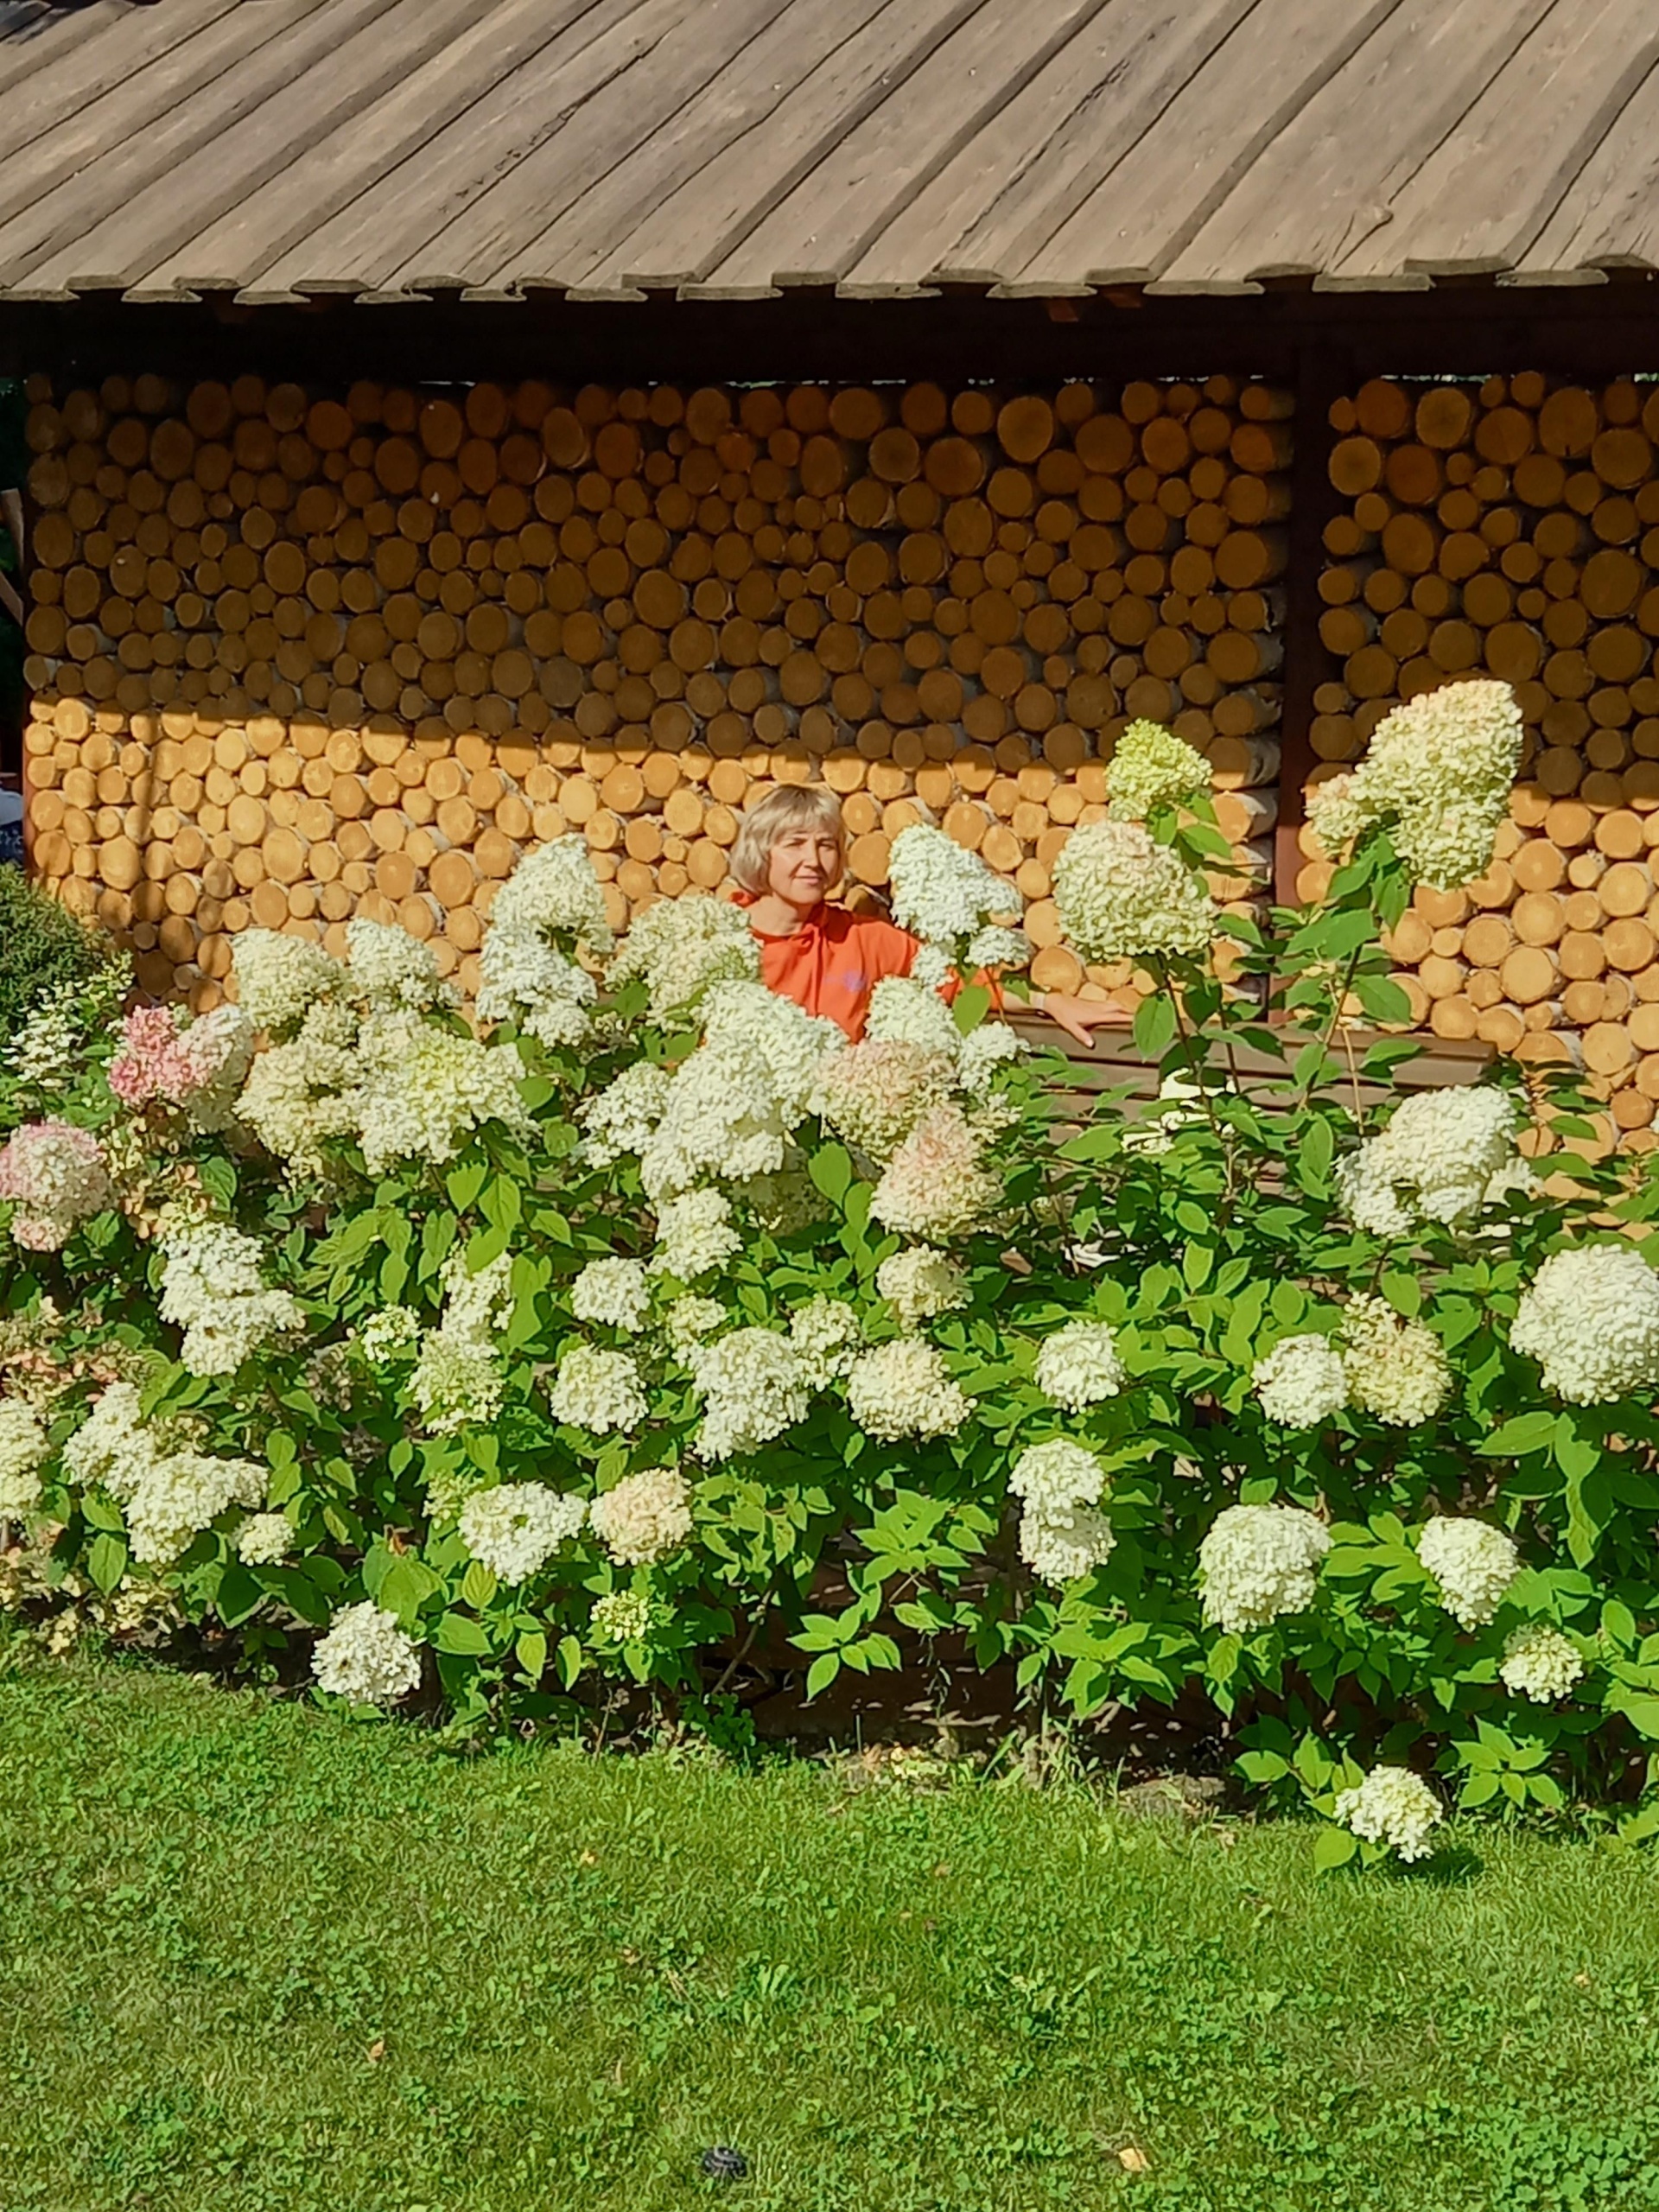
(791, 806)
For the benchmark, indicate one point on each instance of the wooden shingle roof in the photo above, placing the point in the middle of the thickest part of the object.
(276, 149)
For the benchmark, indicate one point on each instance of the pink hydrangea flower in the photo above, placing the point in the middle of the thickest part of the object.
(153, 1063)
(200, 1065)
(55, 1175)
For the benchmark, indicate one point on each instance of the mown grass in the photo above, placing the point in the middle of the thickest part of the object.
(257, 1960)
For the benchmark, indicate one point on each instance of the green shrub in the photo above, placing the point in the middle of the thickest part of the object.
(1340, 1417)
(47, 951)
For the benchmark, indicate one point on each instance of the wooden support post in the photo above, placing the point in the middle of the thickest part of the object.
(1323, 373)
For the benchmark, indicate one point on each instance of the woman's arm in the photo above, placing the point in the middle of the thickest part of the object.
(1080, 1017)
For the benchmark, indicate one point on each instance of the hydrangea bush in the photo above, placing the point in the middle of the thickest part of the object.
(644, 1320)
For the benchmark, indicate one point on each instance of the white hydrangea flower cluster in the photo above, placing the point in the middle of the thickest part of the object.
(1443, 1156)
(992, 1045)
(1541, 1664)
(1258, 1562)
(942, 891)
(919, 1283)
(875, 1093)
(455, 1385)
(554, 892)
(458, 1380)
(753, 1386)
(426, 1089)
(722, 1122)
(1590, 1317)
(299, 1094)
(216, 1051)
(264, 1539)
(213, 1287)
(393, 970)
(365, 1657)
(688, 1321)
(1439, 771)
(1302, 1382)
(169, 1493)
(905, 1011)
(936, 1186)
(24, 1449)
(1122, 897)
(793, 1044)
(48, 1048)
(1151, 767)
(550, 905)
(621, 1118)
(1392, 1806)
(1473, 1564)
(996, 946)
(680, 946)
(598, 1389)
(514, 1528)
(904, 1388)
(1062, 1535)
(616, 1293)
(622, 1617)
(827, 1335)
(56, 1177)
(280, 977)
(695, 1235)
(644, 1517)
(1396, 1369)
(477, 1306)
(389, 1335)
(1077, 1365)
(523, 980)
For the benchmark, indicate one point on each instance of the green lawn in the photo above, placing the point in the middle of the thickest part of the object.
(256, 1960)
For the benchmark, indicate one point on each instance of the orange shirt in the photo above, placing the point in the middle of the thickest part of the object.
(831, 965)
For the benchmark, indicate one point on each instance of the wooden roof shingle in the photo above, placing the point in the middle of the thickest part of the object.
(384, 150)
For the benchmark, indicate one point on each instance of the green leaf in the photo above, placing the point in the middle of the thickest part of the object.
(503, 1205)
(459, 1634)
(106, 1561)
(1534, 1432)
(1155, 1024)
(1403, 1292)
(1381, 998)
(821, 1673)
(530, 1651)
(437, 1237)
(1642, 1713)
(408, 1584)
(98, 1512)
(1334, 1847)
(477, 1586)
(569, 1660)
(464, 1184)
(832, 1169)
(238, 1595)
(973, 1003)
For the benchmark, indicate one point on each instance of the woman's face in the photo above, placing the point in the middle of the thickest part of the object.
(805, 866)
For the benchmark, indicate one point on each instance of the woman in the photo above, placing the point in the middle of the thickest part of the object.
(789, 855)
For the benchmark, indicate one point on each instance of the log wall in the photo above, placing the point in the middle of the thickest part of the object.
(1512, 527)
(297, 654)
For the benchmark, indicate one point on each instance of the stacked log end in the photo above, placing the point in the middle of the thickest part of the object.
(295, 655)
(1511, 529)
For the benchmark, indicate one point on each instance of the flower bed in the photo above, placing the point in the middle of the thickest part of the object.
(488, 1360)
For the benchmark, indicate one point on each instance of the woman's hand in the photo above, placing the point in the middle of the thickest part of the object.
(1080, 1017)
